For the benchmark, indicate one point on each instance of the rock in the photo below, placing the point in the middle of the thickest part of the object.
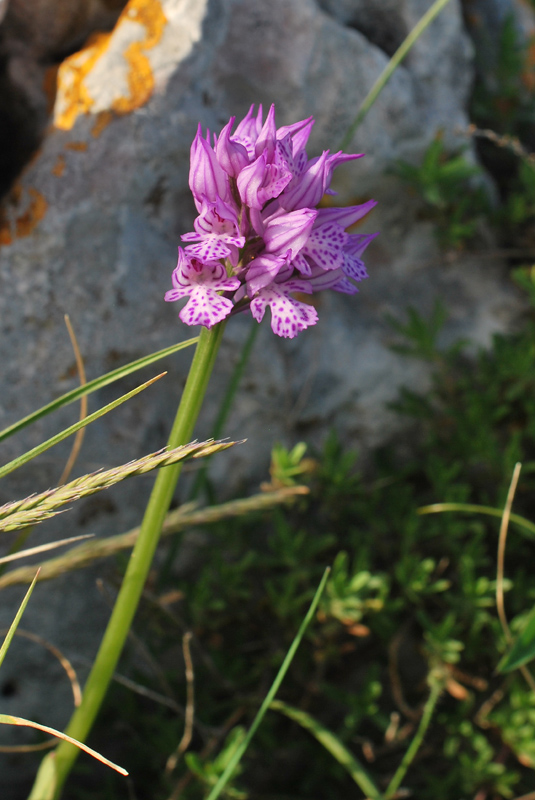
(35, 36)
(92, 226)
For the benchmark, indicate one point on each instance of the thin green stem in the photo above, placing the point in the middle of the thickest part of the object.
(238, 754)
(390, 68)
(437, 685)
(200, 481)
(136, 573)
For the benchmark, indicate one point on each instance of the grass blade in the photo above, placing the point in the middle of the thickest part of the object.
(8, 719)
(438, 508)
(237, 756)
(93, 386)
(523, 649)
(41, 448)
(43, 548)
(391, 67)
(334, 746)
(14, 625)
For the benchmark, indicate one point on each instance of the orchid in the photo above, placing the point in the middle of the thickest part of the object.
(259, 236)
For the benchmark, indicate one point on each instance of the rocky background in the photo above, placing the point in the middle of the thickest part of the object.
(99, 102)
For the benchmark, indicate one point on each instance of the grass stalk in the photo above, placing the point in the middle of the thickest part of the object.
(391, 67)
(436, 685)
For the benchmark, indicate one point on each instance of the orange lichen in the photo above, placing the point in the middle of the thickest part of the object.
(140, 78)
(35, 212)
(12, 226)
(74, 94)
(5, 233)
(71, 77)
(59, 167)
(102, 121)
(79, 147)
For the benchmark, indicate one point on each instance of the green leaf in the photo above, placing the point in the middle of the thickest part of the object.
(36, 451)
(93, 386)
(334, 746)
(523, 649)
(14, 625)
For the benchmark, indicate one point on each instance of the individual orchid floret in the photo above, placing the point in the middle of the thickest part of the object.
(201, 282)
(262, 181)
(217, 231)
(248, 130)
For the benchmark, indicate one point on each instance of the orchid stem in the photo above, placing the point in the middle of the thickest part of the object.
(56, 766)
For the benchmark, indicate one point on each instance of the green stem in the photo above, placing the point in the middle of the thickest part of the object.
(437, 685)
(136, 573)
(201, 481)
(390, 68)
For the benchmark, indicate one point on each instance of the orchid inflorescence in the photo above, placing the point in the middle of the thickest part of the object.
(259, 238)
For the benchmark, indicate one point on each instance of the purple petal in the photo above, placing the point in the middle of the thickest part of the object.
(300, 263)
(307, 189)
(354, 268)
(344, 216)
(358, 242)
(263, 270)
(260, 182)
(211, 248)
(325, 246)
(344, 286)
(206, 178)
(231, 154)
(267, 136)
(289, 231)
(288, 315)
(205, 307)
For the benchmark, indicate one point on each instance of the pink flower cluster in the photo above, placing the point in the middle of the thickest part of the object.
(259, 238)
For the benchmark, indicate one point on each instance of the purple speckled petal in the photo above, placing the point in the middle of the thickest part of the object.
(209, 249)
(205, 307)
(301, 264)
(288, 315)
(354, 268)
(325, 246)
(344, 286)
